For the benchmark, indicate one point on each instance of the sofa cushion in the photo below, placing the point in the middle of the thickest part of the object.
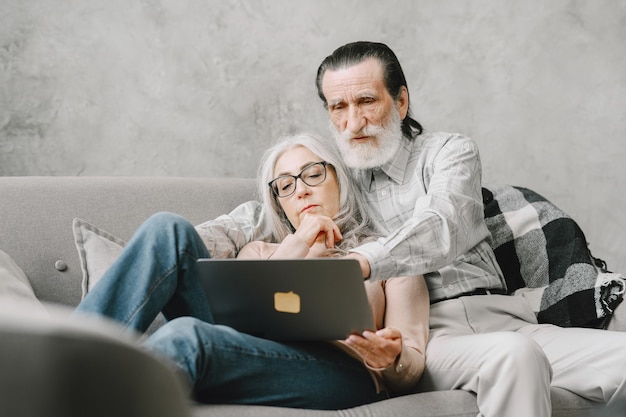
(14, 286)
(97, 250)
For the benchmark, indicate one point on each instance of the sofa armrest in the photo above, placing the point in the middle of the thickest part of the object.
(55, 366)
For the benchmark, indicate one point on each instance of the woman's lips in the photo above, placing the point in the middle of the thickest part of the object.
(310, 206)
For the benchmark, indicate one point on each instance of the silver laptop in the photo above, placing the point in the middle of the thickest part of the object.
(290, 300)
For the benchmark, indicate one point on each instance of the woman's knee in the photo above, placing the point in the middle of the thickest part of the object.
(165, 225)
(164, 220)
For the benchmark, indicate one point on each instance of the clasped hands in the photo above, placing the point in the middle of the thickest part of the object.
(316, 228)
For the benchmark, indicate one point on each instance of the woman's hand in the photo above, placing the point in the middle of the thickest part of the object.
(314, 227)
(379, 350)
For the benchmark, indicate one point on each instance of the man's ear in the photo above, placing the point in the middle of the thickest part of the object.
(402, 103)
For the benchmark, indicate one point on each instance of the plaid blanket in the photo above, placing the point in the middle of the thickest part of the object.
(538, 245)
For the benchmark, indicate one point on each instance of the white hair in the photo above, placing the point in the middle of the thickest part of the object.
(352, 218)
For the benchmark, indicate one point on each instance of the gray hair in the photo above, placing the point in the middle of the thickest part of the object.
(352, 218)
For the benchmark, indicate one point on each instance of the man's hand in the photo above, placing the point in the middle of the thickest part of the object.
(380, 349)
(363, 262)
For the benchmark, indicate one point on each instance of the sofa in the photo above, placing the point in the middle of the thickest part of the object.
(51, 365)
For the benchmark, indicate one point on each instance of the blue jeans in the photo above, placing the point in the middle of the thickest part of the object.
(157, 272)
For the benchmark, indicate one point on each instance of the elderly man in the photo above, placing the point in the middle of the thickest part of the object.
(424, 190)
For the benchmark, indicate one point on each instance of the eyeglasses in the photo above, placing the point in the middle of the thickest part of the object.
(312, 175)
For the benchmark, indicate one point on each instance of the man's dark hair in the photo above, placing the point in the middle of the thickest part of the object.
(357, 52)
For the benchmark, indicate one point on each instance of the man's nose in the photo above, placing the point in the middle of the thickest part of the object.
(356, 120)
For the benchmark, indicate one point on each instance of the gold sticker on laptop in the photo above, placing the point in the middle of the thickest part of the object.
(287, 302)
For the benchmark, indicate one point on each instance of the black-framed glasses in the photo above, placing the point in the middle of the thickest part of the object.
(312, 175)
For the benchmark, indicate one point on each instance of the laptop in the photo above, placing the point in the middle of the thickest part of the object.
(289, 299)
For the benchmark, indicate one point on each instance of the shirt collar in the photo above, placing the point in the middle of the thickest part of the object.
(396, 167)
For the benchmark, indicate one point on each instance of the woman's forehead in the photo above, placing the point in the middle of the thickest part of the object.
(293, 160)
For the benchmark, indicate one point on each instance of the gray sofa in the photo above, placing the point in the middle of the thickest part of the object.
(36, 216)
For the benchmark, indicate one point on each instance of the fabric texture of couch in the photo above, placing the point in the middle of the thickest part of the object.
(37, 233)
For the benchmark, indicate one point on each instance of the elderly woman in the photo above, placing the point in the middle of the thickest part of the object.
(313, 210)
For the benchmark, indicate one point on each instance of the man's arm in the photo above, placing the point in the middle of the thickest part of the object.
(442, 224)
(227, 234)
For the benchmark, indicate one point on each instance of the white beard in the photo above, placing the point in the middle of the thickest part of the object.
(372, 154)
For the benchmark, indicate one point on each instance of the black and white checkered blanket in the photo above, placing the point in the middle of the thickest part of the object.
(538, 245)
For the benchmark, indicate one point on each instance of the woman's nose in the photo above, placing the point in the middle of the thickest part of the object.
(301, 188)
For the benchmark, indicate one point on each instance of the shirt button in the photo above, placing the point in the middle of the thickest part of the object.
(450, 287)
(384, 193)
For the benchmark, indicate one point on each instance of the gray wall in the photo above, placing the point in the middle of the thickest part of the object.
(200, 88)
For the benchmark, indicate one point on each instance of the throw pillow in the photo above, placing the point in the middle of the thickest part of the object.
(15, 289)
(97, 250)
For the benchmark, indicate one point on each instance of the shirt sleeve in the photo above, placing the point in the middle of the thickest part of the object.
(407, 309)
(444, 223)
(226, 235)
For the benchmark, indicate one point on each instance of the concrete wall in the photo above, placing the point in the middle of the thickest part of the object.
(200, 88)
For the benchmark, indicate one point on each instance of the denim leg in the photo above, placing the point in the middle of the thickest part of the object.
(229, 367)
(155, 272)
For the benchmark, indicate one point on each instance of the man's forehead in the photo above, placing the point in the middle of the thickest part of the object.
(355, 79)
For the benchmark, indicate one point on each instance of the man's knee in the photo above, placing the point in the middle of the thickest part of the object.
(517, 351)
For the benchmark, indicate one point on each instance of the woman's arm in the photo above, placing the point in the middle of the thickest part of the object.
(397, 350)
(315, 230)
(290, 248)
(407, 309)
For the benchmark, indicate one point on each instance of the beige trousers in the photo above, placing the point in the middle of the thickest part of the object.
(492, 346)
